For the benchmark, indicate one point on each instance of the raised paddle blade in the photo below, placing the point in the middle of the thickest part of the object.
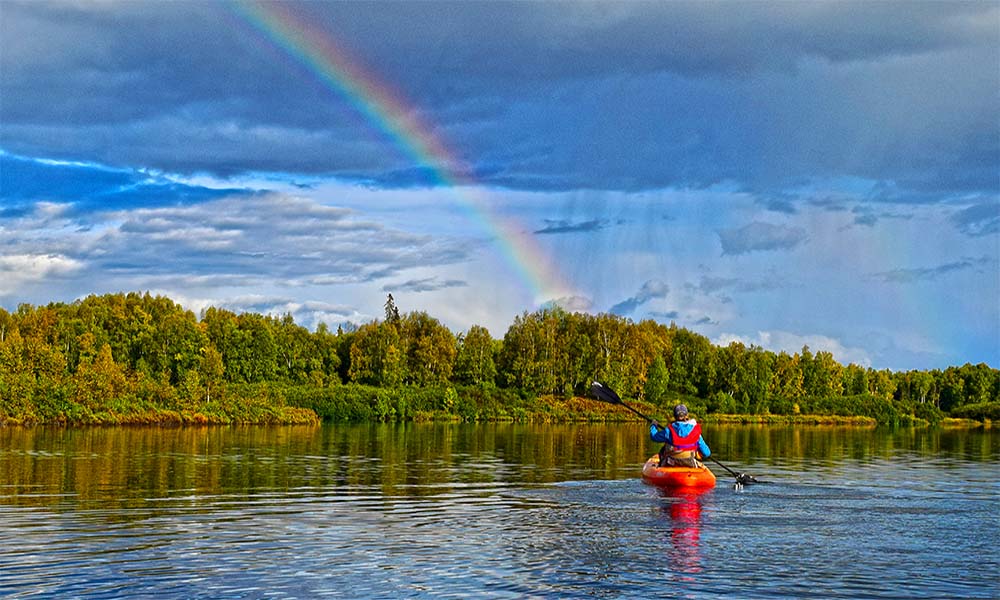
(605, 393)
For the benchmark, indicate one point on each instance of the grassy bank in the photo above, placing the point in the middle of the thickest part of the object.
(366, 403)
(157, 405)
(797, 420)
(148, 403)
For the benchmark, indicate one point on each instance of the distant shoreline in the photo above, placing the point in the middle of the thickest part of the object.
(565, 412)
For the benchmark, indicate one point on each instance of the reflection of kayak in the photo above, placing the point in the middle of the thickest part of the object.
(676, 477)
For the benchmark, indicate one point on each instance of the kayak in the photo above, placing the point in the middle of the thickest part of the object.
(676, 477)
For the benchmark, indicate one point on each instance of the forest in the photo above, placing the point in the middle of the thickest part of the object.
(139, 358)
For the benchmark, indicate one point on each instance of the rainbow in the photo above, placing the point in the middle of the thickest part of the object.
(386, 109)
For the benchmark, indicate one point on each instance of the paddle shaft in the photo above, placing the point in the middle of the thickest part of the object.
(731, 472)
(636, 412)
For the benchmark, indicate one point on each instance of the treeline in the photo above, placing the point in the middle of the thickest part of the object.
(137, 357)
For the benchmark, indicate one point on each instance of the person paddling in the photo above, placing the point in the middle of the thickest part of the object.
(682, 441)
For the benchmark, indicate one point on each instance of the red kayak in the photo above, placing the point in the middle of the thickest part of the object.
(676, 477)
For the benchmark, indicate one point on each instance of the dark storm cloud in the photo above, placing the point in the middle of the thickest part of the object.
(561, 226)
(544, 96)
(980, 219)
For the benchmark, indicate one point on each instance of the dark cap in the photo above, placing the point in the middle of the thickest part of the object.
(680, 411)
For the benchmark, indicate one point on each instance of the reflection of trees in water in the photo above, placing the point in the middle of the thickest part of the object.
(127, 466)
(769, 443)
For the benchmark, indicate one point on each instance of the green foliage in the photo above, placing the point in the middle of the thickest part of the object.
(883, 411)
(928, 412)
(377, 355)
(354, 402)
(979, 412)
(142, 358)
(657, 379)
(429, 349)
(475, 362)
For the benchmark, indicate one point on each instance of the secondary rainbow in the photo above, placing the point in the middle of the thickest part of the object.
(385, 108)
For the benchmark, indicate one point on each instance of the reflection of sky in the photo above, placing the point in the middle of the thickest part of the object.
(824, 176)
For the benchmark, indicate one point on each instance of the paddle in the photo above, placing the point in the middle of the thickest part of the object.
(741, 478)
(606, 394)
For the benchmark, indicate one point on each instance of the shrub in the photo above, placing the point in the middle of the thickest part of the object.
(980, 411)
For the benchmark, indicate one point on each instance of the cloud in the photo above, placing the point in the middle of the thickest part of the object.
(427, 284)
(651, 290)
(239, 241)
(779, 204)
(559, 226)
(792, 343)
(671, 315)
(17, 270)
(308, 313)
(935, 272)
(570, 303)
(778, 93)
(979, 219)
(867, 219)
(866, 216)
(709, 284)
(758, 236)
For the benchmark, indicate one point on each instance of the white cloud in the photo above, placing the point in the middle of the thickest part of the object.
(308, 313)
(287, 239)
(792, 343)
(20, 269)
(573, 303)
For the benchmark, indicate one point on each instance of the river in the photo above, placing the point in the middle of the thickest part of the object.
(494, 511)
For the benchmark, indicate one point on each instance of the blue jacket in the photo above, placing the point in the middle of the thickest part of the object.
(682, 428)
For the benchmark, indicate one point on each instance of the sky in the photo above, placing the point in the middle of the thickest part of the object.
(776, 173)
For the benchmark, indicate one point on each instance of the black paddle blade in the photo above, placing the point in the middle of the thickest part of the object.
(605, 393)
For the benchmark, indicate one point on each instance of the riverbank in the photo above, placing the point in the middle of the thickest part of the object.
(359, 403)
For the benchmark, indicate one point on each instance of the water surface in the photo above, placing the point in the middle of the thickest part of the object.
(498, 510)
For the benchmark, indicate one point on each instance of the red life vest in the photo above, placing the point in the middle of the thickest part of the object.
(687, 442)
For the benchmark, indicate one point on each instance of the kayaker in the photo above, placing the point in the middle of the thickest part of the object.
(682, 441)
